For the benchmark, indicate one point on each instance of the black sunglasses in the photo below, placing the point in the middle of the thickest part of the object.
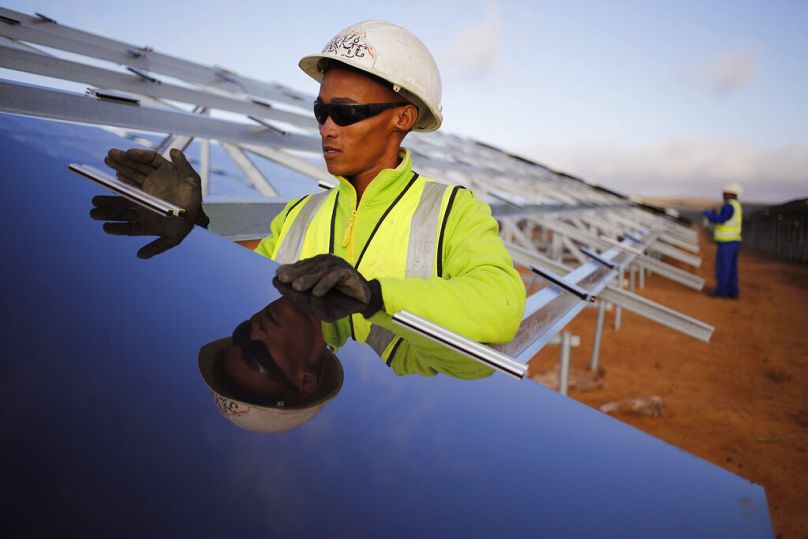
(257, 356)
(349, 113)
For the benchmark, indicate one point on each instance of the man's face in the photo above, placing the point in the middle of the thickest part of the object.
(295, 342)
(358, 148)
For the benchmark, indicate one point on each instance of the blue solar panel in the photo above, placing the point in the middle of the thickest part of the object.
(109, 430)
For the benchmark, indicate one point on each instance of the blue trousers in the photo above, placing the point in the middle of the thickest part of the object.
(726, 268)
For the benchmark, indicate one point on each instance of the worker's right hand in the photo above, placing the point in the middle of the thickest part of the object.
(174, 181)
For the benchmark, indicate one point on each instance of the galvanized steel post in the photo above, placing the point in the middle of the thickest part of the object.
(564, 369)
(593, 362)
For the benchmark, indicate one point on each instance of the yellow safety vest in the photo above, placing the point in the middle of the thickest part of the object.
(730, 230)
(405, 242)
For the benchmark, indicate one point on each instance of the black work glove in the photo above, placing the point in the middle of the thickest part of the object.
(328, 288)
(174, 181)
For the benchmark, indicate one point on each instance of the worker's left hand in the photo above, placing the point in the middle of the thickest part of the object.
(328, 287)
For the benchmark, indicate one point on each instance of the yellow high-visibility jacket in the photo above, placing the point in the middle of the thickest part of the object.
(730, 230)
(436, 252)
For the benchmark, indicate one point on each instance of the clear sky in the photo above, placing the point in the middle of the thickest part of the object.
(646, 97)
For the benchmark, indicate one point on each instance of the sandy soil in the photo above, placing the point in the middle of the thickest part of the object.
(740, 401)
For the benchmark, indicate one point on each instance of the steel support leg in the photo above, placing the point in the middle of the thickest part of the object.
(564, 371)
(593, 362)
(642, 277)
(618, 311)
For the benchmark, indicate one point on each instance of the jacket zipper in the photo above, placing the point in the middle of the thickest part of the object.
(348, 241)
(348, 236)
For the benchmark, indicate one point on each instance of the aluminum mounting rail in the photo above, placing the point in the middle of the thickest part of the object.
(563, 284)
(476, 351)
(36, 30)
(666, 270)
(317, 172)
(677, 254)
(49, 66)
(628, 300)
(666, 224)
(653, 246)
(550, 309)
(255, 176)
(671, 272)
(663, 236)
(32, 100)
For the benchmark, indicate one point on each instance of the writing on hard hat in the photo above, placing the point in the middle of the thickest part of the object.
(393, 54)
(265, 415)
(733, 188)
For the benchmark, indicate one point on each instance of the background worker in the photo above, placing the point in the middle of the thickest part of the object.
(385, 239)
(727, 235)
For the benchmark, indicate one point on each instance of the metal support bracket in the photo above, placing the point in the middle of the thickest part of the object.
(45, 18)
(105, 95)
(622, 246)
(268, 125)
(143, 75)
(597, 258)
(559, 281)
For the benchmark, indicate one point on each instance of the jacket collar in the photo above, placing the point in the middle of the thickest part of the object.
(387, 184)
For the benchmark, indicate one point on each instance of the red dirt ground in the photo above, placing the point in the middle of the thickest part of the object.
(740, 401)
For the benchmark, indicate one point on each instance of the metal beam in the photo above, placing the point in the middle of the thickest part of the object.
(671, 272)
(628, 300)
(653, 246)
(550, 309)
(32, 29)
(257, 179)
(32, 100)
(672, 252)
(314, 171)
(677, 242)
(170, 142)
(476, 351)
(204, 165)
(49, 66)
(658, 313)
(666, 270)
(666, 235)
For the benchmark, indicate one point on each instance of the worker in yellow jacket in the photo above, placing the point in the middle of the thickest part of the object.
(386, 238)
(727, 236)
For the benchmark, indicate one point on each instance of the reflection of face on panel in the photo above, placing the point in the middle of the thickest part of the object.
(287, 345)
(275, 373)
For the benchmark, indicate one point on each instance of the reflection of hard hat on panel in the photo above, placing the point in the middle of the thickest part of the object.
(258, 417)
(393, 54)
(733, 188)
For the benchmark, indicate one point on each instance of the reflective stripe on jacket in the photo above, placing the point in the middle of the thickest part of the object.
(730, 230)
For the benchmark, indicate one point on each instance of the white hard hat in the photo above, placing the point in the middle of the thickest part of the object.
(392, 53)
(733, 188)
(263, 417)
